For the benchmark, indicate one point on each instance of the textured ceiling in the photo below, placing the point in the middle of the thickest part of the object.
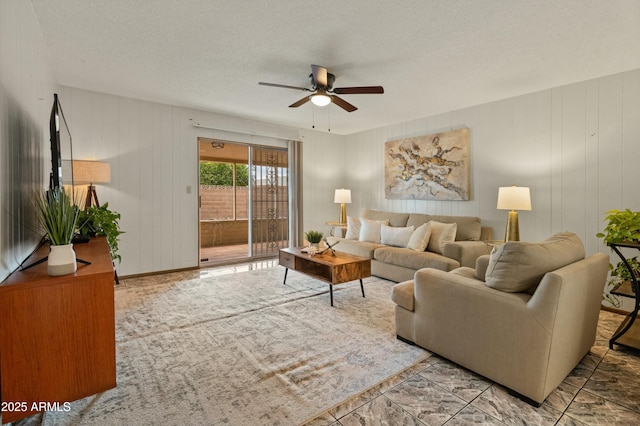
(431, 56)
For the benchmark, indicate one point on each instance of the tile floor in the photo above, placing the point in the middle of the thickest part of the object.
(604, 389)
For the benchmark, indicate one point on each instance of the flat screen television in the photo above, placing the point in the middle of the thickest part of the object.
(61, 145)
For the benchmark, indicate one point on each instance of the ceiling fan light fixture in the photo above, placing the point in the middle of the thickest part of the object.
(322, 84)
(321, 99)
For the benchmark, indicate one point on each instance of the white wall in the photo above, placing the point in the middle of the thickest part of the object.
(324, 172)
(27, 86)
(152, 149)
(577, 147)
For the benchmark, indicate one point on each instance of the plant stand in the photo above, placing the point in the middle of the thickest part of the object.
(628, 333)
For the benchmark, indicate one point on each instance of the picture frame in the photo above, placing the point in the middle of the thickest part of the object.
(430, 167)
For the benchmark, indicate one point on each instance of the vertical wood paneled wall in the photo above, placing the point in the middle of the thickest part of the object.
(27, 85)
(577, 147)
(152, 149)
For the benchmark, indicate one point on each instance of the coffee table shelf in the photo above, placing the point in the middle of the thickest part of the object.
(337, 269)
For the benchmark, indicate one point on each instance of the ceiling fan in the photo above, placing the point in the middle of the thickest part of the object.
(324, 93)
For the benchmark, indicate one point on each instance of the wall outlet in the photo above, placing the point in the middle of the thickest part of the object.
(188, 189)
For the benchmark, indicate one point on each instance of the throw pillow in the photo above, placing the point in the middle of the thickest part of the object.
(518, 266)
(370, 230)
(420, 238)
(395, 236)
(441, 234)
(353, 228)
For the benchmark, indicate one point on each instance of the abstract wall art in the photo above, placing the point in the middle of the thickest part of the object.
(431, 167)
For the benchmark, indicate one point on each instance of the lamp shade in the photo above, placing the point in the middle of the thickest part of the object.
(342, 196)
(514, 198)
(90, 172)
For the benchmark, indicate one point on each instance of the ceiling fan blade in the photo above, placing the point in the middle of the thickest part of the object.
(284, 86)
(319, 75)
(358, 90)
(300, 102)
(343, 104)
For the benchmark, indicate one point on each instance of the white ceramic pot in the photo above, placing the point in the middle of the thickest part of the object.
(62, 260)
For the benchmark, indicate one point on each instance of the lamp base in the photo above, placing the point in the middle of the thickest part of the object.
(343, 213)
(91, 196)
(512, 232)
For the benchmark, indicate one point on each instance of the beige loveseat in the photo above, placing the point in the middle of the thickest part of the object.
(524, 318)
(399, 263)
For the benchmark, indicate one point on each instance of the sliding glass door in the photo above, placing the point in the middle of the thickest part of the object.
(269, 201)
(244, 201)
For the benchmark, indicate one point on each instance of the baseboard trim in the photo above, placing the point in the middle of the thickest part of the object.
(150, 274)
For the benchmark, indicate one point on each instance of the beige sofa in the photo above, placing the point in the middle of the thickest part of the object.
(400, 263)
(524, 318)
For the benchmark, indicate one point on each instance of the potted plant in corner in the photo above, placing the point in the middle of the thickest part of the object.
(101, 221)
(623, 226)
(58, 215)
(618, 275)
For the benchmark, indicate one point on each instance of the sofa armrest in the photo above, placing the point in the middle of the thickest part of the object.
(463, 302)
(466, 252)
(572, 295)
(402, 295)
(482, 264)
(488, 331)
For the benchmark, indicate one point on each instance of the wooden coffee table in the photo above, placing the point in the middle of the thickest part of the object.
(334, 269)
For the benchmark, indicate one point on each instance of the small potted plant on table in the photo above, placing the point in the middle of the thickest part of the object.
(314, 238)
(58, 215)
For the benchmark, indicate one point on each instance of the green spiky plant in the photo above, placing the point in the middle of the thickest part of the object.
(58, 215)
(314, 237)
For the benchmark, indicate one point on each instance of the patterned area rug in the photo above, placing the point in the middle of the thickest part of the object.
(244, 349)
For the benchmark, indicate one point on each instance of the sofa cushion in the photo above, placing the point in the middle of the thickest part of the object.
(413, 259)
(469, 228)
(394, 219)
(356, 248)
(519, 266)
(370, 230)
(395, 236)
(353, 228)
(441, 234)
(402, 294)
(420, 238)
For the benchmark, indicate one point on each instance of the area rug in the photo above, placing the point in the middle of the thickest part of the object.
(244, 349)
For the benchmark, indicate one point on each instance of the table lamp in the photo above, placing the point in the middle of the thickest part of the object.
(91, 172)
(513, 198)
(342, 196)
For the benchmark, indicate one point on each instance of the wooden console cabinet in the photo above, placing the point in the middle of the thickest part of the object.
(57, 334)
